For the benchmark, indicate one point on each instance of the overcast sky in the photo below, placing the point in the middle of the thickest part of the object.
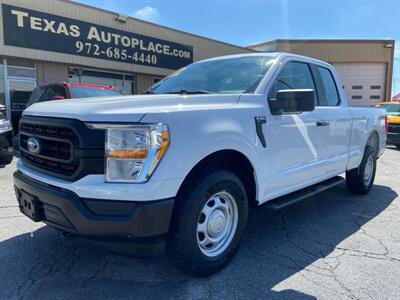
(245, 22)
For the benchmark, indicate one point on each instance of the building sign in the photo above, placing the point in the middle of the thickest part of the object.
(36, 30)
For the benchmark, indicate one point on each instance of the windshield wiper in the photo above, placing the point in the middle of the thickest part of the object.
(148, 92)
(183, 92)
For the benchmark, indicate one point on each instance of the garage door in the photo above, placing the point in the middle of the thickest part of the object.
(364, 83)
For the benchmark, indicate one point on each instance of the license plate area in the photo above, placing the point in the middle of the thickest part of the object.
(29, 206)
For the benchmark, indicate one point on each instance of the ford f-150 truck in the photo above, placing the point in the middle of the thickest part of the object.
(178, 167)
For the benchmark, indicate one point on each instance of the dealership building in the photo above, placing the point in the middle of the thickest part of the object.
(364, 66)
(59, 40)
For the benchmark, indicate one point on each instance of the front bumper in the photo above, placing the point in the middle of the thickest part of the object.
(393, 138)
(144, 225)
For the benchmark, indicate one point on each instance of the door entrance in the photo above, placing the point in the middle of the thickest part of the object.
(19, 93)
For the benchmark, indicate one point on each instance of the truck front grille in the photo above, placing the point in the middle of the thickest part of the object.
(51, 166)
(68, 149)
(48, 131)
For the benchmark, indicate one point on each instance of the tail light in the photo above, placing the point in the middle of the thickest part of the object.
(386, 124)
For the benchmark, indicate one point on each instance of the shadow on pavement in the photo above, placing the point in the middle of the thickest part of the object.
(276, 246)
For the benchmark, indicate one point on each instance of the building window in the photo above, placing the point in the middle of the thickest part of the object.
(156, 79)
(357, 87)
(15, 71)
(18, 80)
(2, 86)
(375, 87)
(374, 97)
(123, 82)
(356, 97)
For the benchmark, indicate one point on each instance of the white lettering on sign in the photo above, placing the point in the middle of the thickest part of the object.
(126, 41)
(45, 25)
(38, 30)
(20, 17)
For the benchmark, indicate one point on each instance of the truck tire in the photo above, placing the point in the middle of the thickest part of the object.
(359, 181)
(208, 222)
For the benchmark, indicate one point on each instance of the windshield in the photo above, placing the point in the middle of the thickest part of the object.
(220, 76)
(85, 92)
(391, 108)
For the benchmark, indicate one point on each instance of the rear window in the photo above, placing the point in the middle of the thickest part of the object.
(53, 91)
(85, 92)
(35, 96)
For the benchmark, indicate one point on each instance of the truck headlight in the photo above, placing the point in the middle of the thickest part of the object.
(5, 126)
(132, 152)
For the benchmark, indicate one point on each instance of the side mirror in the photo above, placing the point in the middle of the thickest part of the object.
(290, 101)
(57, 97)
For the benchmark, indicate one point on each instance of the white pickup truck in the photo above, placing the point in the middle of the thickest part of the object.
(179, 167)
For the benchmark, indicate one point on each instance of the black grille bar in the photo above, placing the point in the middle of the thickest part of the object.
(46, 130)
(69, 149)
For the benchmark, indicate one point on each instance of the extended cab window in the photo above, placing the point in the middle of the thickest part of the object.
(53, 91)
(328, 95)
(294, 75)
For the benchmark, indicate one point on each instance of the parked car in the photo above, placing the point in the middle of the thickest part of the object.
(6, 155)
(180, 167)
(60, 91)
(63, 90)
(393, 112)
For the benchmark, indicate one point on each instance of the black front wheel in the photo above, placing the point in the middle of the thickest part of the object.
(209, 220)
(360, 180)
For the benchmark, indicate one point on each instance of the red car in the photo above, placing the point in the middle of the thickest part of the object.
(63, 90)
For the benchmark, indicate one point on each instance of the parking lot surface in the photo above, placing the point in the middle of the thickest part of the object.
(331, 246)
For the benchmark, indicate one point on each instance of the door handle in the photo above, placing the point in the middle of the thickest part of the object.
(322, 123)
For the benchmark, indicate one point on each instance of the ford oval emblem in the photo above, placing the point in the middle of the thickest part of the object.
(33, 145)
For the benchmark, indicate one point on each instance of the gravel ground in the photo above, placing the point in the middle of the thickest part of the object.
(332, 246)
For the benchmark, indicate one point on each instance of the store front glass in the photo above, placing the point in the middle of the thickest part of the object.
(19, 90)
(18, 78)
(2, 86)
(123, 82)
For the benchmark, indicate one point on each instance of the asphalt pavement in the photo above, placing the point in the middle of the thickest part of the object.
(332, 246)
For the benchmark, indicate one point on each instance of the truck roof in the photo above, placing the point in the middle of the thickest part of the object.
(280, 55)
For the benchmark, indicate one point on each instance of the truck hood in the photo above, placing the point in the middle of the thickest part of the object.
(127, 108)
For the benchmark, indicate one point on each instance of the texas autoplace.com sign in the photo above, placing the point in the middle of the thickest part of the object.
(37, 30)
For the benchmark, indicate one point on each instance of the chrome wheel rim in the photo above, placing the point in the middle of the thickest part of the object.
(216, 224)
(369, 170)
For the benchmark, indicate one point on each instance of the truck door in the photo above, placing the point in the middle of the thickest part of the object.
(336, 118)
(296, 141)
